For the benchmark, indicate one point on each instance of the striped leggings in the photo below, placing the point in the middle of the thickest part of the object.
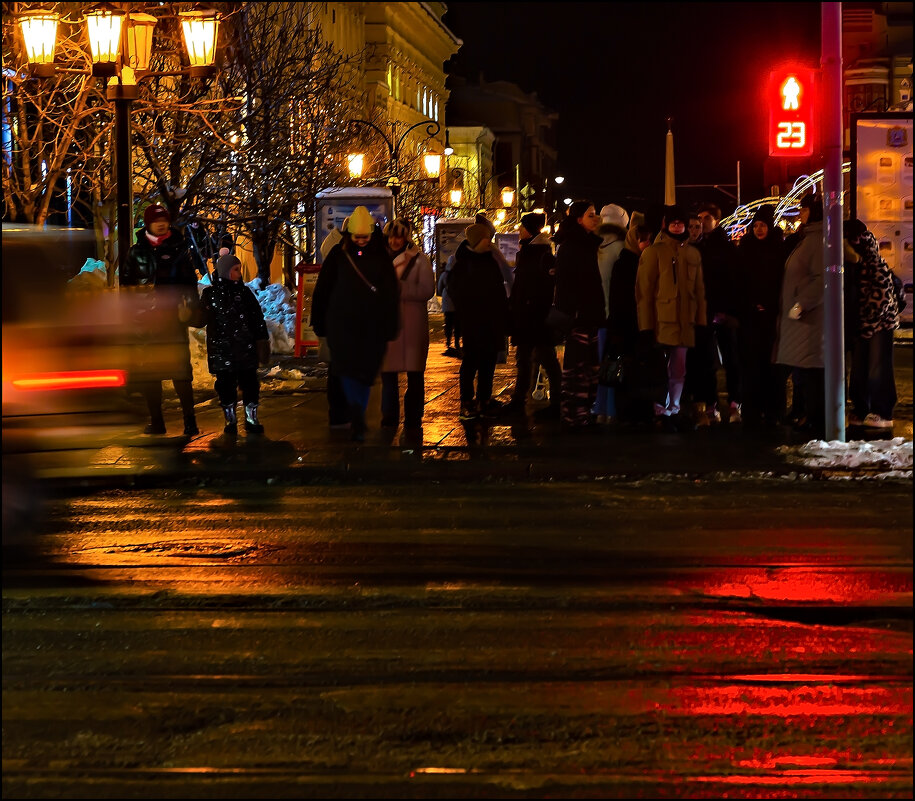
(580, 367)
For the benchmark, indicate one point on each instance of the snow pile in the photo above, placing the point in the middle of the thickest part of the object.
(893, 454)
(277, 373)
(93, 275)
(198, 342)
(278, 304)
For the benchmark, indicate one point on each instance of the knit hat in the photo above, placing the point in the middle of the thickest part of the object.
(399, 227)
(360, 222)
(611, 214)
(533, 223)
(154, 213)
(482, 219)
(672, 213)
(224, 265)
(765, 214)
(475, 234)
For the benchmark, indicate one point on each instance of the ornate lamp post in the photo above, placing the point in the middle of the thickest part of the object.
(121, 45)
(432, 161)
(459, 176)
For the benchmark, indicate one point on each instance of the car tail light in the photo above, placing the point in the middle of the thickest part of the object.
(83, 379)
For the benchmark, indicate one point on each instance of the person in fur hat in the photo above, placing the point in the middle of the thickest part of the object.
(356, 306)
(612, 230)
(237, 340)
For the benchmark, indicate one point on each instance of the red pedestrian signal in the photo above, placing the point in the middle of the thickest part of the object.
(792, 104)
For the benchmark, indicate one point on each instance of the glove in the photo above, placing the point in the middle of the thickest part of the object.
(263, 351)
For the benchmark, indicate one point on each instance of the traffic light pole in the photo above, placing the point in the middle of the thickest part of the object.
(833, 322)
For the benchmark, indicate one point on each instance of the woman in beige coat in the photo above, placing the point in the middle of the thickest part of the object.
(407, 354)
(670, 296)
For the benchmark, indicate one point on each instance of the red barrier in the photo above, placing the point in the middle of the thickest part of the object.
(305, 337)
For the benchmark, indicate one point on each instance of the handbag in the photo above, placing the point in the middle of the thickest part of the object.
(560, 322)
(613, 371)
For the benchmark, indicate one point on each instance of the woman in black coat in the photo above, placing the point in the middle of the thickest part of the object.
(632, 405)
(580, 294)
(530, 301)
(760, 269)
(356, 306)
(476, 286)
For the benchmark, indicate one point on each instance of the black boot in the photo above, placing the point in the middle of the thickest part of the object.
(357, 422)
(190, 425)
(252, 426)
(156, 425)
(231, 428)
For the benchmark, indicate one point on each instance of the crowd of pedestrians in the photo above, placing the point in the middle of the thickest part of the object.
(650, 309)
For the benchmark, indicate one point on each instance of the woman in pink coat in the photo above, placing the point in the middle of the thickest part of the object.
(407, 354)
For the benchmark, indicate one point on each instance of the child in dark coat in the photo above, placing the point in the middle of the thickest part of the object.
(237, 340)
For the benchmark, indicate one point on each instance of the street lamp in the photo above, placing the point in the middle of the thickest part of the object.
(459, 176)
(394, 145)
(121, 43)
(355, 162)
(508, 197)
(39, 29)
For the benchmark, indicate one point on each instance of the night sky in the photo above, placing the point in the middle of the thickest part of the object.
(616, 71)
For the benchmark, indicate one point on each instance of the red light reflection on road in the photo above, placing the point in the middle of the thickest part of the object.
(819, 585)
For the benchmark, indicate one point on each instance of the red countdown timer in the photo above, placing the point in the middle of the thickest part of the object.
(791, 110)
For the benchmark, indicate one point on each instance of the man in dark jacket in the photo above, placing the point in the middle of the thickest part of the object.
(477, 289)
(719, 269)
(530, 301)
(159, 265)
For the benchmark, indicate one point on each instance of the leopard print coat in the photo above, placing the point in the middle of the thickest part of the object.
(878, 309)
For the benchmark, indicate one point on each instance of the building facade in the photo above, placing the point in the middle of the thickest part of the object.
(524, 155)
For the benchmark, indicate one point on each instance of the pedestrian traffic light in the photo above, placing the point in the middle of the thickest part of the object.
(792, 106)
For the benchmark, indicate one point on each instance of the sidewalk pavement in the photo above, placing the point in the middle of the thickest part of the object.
(299, 447)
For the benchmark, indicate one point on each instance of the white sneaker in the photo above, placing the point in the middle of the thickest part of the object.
(876, 421)
(854, 420)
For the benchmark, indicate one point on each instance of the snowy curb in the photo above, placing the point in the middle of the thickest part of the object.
(892, 457)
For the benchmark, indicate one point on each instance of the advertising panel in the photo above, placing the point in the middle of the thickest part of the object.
(336, 204)
(448, 235)
(882, 198)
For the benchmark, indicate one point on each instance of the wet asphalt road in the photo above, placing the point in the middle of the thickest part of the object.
(515, 640)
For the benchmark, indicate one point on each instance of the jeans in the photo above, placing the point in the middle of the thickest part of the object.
(413, 400)
(528, 358)
(713, 344)
(452, 325)
(872, 385)
(337, 406)
(605, 403)
(357, 393)
(480, 363)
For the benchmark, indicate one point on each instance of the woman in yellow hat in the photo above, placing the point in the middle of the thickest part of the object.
(355, 305)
